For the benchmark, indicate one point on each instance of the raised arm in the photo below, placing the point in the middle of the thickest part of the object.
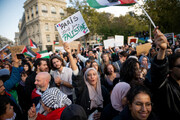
(15, 75)
(72, 62)
(160, 41)
(159, 66)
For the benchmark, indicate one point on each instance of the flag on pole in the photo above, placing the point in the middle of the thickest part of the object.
(33, 44)
(42, 54)
(28, 52)
(106, 3)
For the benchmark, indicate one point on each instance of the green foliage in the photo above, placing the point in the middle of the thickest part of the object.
(165, 13)
(106, 24)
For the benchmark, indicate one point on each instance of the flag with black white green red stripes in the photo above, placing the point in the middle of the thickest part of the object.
(106, 3)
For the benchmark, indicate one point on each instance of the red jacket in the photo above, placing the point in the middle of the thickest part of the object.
(54, 115)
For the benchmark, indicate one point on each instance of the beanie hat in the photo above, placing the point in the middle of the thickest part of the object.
(54, 98)
(4, 72)
(73, 112)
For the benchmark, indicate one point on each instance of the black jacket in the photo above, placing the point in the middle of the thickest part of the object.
(166, 91)
(82, 94)
(29, 87)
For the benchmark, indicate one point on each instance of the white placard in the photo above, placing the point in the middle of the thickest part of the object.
(72, 27)
(119, 40)
(60, 48)
(108, 43)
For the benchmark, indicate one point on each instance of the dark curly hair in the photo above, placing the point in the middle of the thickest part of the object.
(128, 70)
(106, 70)
(57, 57)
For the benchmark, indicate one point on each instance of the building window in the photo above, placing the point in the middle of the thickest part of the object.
(48, 38)
(55, 29)
(46, 27)
(44, 9)
(61, 11)
(32, 13)
(53, 10)
(28, 14)
(36, 9)
(57, 38)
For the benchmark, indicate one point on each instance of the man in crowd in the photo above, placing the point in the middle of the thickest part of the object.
(165, 87)
(41, 65)
(7, 85)
(42, 82)
(62, 76)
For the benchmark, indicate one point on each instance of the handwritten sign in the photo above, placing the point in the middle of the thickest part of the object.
(17, 49)
(72, 28)
(5, 52)
(143, 49)
(74, 44)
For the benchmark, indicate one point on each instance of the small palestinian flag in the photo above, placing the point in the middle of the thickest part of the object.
(56, 42)
(33, 44)
(106, 3)
(28, 52)
(42, 54)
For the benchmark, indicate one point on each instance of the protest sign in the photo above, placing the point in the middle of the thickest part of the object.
(119, 40)
(5, 52)
(35, 50)
(60, 48)
(74, 44)
(132, 39)
(143, 49)
(72, 28)
(170, 38)
(17, 49)
(108, 43)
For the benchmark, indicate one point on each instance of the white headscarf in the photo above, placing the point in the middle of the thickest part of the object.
(95, 95)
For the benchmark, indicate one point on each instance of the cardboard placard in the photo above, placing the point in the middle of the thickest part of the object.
(74, 44)
(5, 52)
(144, 48)
(17, 49)
(35, 50)
(72, 27)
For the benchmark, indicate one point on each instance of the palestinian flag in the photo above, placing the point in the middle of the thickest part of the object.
(106, 3)
(33, 44)
(56, 42)
(42, 54)
(28, 52)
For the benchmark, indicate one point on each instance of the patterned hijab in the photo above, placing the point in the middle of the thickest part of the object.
(95, 95)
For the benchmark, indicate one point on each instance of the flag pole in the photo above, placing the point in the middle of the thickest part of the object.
(146, 14)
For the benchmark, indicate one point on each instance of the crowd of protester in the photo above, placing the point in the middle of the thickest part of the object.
(94, 84)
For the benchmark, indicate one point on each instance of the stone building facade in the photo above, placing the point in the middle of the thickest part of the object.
(39, 20)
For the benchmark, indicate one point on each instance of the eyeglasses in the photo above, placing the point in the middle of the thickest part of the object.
(140, 105)
(178, 66)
